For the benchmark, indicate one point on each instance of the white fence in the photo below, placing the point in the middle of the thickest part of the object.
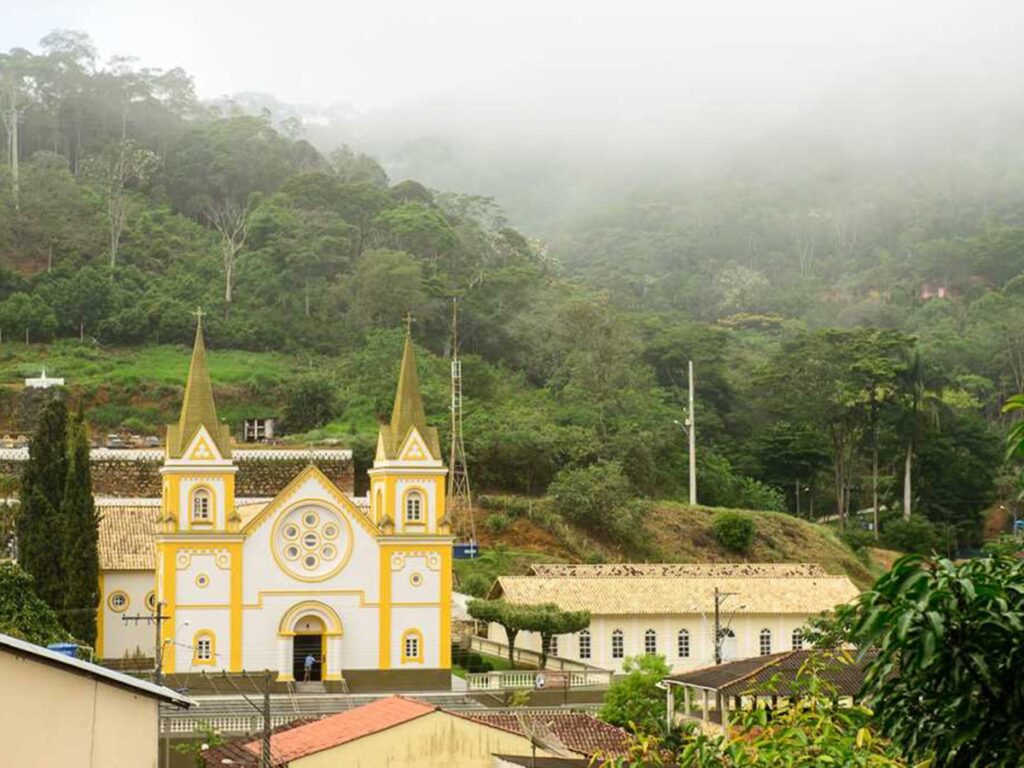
(532, 679)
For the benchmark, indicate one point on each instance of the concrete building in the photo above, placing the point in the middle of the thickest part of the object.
(56, 711)
(669, 609)
(400, 732)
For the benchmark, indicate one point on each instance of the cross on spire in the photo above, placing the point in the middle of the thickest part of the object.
(408, 319)
(199, 315)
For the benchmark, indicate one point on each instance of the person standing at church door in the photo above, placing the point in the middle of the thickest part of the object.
(308, 666)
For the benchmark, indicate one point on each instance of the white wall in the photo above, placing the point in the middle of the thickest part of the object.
(120, 637)
(746, 628)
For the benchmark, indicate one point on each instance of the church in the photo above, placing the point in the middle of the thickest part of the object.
(362, 586)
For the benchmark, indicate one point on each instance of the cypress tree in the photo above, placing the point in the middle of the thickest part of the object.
(81, 537)
(40, 533)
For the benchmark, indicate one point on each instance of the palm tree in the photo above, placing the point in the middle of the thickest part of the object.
(926, 407)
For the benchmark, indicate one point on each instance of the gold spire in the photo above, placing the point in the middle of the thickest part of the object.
(198, 409)
(408, 408)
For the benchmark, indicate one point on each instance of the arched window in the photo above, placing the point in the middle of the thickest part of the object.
(585, 644)
(201, 506)
(798, 639)
(766, 642)
(412, 646)
(650, 642)
(204, 647)
(618, 644)
(414, 507)
(683, 644)
(551, 646)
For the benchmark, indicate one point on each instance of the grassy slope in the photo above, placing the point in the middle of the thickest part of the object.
(678, 533)
(145, 383)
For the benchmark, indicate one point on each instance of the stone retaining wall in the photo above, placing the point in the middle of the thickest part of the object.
(261, 473)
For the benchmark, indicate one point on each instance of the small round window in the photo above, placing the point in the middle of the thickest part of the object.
(118, 601)
(310, 540)
(151, 600)
(328, 552)
(292, 552)
(291, 531)
(202, 580)
(310, 519)
(330, 531)
(416, 579)
(310, 561)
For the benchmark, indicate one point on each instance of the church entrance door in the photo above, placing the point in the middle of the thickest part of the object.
(310, 640)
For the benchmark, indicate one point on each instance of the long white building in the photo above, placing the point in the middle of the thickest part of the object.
(669, 609)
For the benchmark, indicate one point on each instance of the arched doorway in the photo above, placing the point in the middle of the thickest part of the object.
(728, 644)
(310, 629)
(309, 642)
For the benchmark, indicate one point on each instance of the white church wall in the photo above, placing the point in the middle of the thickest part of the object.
(205, 580)
(120, 637)
(214, 620)
(418, 580)
(424, 619)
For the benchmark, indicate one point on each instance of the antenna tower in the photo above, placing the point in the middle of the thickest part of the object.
(460, 500)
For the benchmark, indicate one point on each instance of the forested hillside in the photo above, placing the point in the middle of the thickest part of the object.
(854, 334)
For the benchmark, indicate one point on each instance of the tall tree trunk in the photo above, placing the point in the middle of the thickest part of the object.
(907, 497)
(15, 186)
(229, 268)
(874, 484)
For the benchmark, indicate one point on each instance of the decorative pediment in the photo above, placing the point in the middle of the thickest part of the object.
(414, 449)
(202, 448)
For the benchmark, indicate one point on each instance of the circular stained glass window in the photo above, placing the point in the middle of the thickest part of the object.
(151, 601)
(328, 552)
(291, 531)
(310, 519)
(317, 539)
(292, 552)
(311, 561)
(330, 531)
(310, 540)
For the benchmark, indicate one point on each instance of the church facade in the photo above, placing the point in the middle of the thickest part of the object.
(360, 585)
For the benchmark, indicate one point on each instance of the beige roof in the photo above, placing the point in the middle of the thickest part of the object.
(680, 595)
(249, 510)
(710, 570)
(126, 536)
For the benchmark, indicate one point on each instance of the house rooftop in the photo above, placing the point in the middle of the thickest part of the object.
(100, 674)
(627, 589)
(777, 673)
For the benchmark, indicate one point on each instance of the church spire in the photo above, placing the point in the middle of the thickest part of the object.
(407, 411)
(198, 409)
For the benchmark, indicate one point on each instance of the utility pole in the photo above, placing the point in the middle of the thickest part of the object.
(158, 619)
(265, 759)
(691, 432)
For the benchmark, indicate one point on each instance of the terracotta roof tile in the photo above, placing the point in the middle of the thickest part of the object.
(240, 754)
(580, 732)
(342, 728)
(679, 594)
(126, 536)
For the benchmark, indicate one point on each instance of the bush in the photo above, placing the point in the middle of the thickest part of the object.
(857, 538)
(475, 584)
(734, 530)
(497, 523)
(309, 403)
(916, 535)
(586, 496)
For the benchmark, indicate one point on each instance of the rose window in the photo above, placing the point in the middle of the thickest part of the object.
(312, 543)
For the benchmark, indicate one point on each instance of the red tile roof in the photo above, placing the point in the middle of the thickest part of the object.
(239, 753)
(580, 732)
(342, 728)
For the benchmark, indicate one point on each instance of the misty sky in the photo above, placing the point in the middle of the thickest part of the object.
(623, 60)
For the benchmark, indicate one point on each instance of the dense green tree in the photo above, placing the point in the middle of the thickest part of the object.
(548, 620)
(636, 702)
(80, 537)
(310, 403)
(23, 614)
(947, 681)
(40, 528)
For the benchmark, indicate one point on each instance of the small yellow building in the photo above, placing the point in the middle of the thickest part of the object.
(400, 732)
(56, 711)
